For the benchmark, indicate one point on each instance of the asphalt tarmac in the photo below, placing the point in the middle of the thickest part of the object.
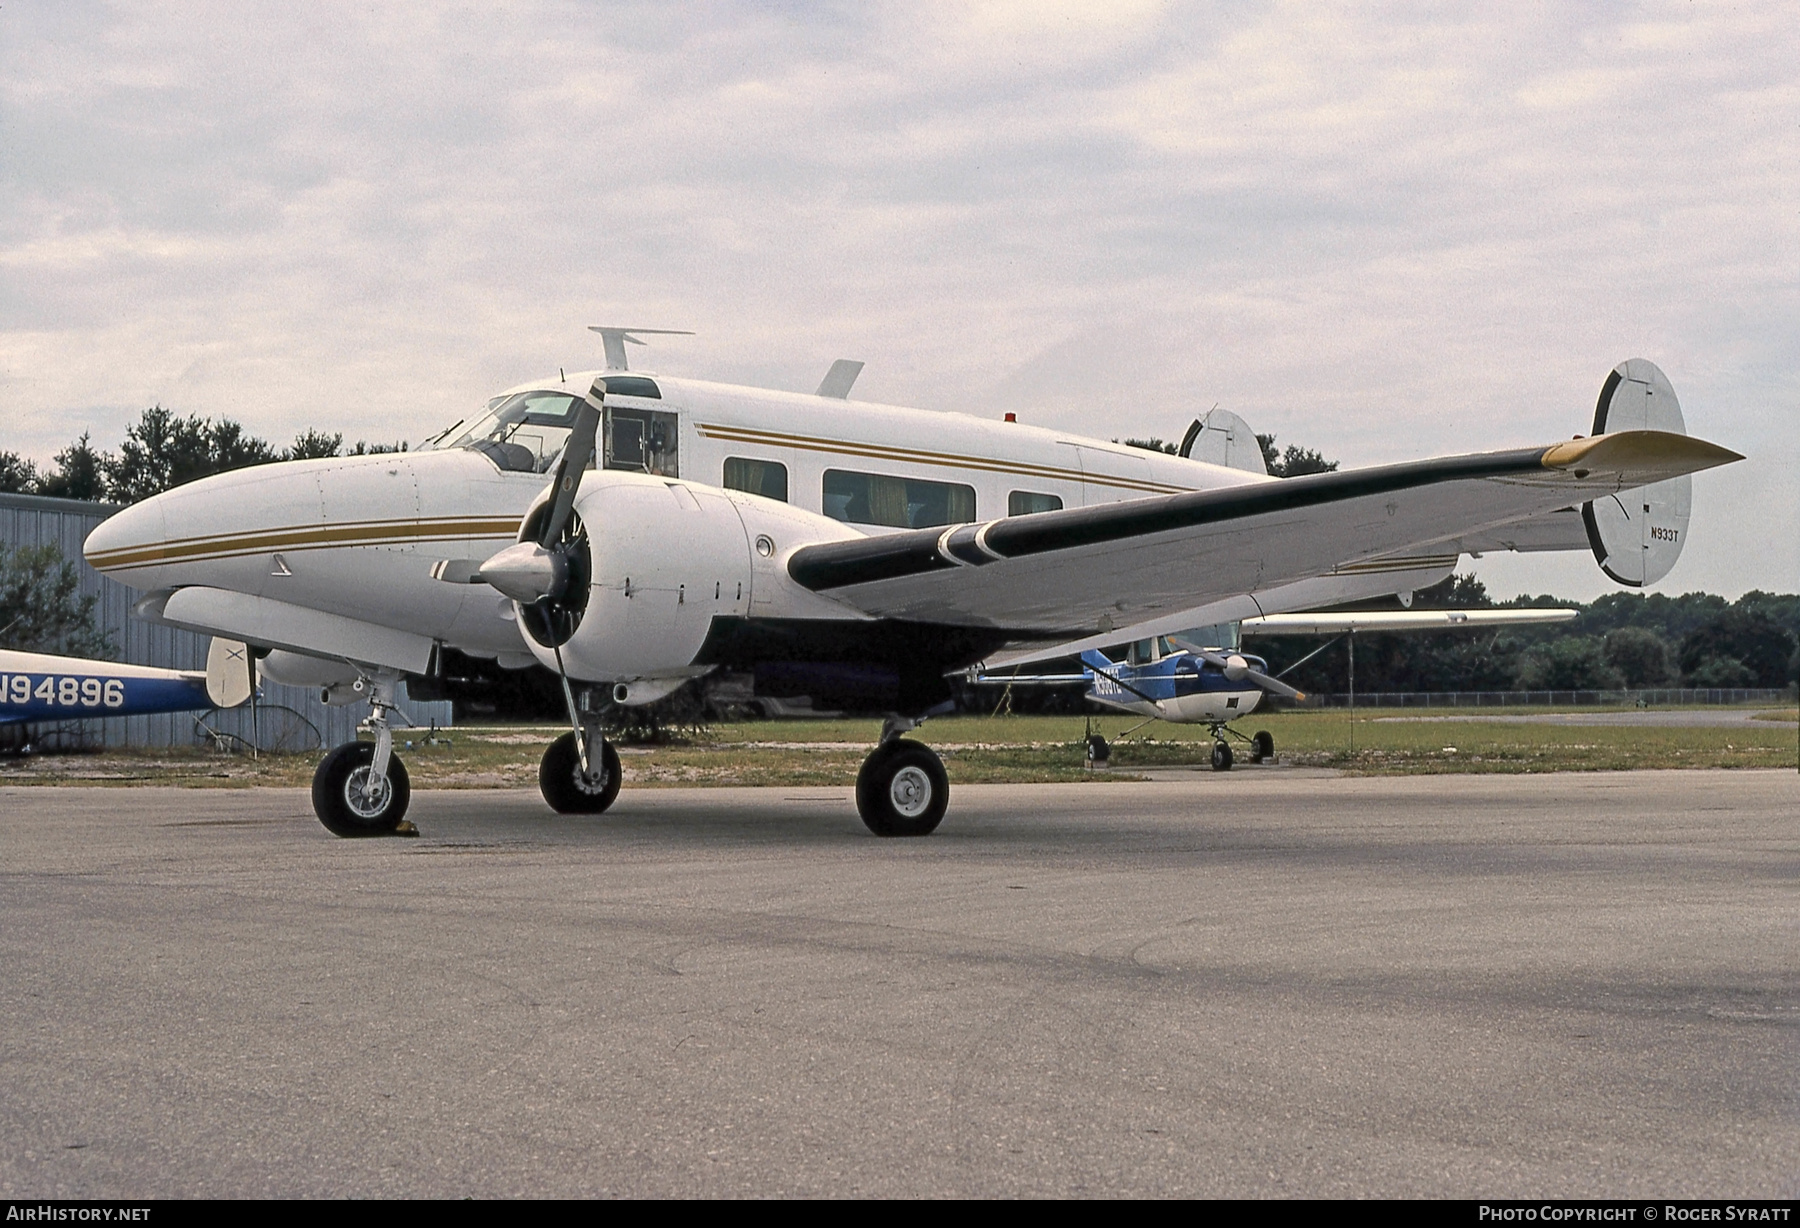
(1254, 983)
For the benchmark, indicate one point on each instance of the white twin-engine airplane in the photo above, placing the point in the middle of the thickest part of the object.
(632, 532)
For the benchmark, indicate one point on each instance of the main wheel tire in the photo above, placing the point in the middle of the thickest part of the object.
(1264, 744)
(1097, 749)
(569, 792)
(902, 790)
(338, 794)
(1221, 757)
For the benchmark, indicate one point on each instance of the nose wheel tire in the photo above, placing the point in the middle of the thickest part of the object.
(1263, 747)
(563, 785)
(1221, 757)
(902, 789)
(346, 803)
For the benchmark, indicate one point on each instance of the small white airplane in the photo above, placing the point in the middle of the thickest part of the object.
(1202, 676)
(806, 536)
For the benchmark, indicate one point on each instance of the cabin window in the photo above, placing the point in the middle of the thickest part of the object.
(759, 477)
(643, 440)
(903, 503)
(1025, 502)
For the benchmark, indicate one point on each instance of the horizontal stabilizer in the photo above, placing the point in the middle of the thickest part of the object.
(615, 338)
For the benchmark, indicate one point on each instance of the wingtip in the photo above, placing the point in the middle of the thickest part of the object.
(1638, 456)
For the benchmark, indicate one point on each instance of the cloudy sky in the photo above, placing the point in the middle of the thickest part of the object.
(1382, 231)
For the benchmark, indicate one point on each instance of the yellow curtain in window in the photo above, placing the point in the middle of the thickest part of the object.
(960, 508)
(887, 501)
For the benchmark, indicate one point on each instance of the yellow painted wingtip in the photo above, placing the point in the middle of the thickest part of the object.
(1638, 456)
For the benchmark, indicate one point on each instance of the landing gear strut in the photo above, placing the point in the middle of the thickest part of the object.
(1262, 747)
(902, 789)
(361, 788)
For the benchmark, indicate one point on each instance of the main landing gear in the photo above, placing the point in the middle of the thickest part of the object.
(902, 789)
(361, 789)
(1262, 747)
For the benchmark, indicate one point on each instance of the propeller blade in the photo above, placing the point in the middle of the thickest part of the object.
(1237, 669)
(575, 456)
(1274, 686)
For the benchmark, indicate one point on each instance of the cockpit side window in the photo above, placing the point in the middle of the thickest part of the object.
(524, 433)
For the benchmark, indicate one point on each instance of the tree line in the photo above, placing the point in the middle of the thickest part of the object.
(159, 451)
(1294, 462)
(1621, 640)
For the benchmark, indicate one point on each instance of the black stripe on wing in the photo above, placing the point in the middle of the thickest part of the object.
(892, 556)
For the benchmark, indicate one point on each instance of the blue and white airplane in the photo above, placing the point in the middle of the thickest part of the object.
(1171, 678)
(37, 686)
(1177, 678)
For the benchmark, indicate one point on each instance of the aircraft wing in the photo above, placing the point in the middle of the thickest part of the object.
(1334, 623)
(1086, 571)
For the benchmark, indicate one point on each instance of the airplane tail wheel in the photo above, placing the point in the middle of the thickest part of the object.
(1221, 757)
(1264, 743)
(902, 789)
(346, 802)
(568, 791)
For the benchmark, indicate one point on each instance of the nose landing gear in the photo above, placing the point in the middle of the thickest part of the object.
(361, 788)
(1262, 747)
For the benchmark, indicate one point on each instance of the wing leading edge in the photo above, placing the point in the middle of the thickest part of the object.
(1089, 568)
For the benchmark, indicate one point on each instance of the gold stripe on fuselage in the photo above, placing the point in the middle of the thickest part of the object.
(306, 537)
(1021, 469)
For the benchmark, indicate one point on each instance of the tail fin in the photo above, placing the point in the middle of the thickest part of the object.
(1636, 535)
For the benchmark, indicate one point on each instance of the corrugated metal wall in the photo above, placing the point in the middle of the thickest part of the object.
(286, 711)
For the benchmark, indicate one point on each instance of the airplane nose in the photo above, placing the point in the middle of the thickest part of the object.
(130, 539)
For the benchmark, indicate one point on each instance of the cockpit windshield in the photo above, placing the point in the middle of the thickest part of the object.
(524, 433)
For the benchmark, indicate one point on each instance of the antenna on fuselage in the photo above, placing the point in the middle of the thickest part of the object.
(615, 339)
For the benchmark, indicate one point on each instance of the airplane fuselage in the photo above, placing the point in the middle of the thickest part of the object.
(356, 539)
(1180, 688)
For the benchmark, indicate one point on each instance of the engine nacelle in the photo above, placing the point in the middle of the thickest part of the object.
(664, 558)
(1637, 535)
(299, 669)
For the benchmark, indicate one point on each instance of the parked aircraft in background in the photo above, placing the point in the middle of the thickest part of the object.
(848, 550)
(39, 687)
(1201, 677)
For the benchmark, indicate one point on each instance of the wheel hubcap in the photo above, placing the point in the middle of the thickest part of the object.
(367, 802)
(592, 783)
(910, 792)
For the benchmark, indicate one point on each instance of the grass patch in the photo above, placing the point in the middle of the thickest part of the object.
(979, 750)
